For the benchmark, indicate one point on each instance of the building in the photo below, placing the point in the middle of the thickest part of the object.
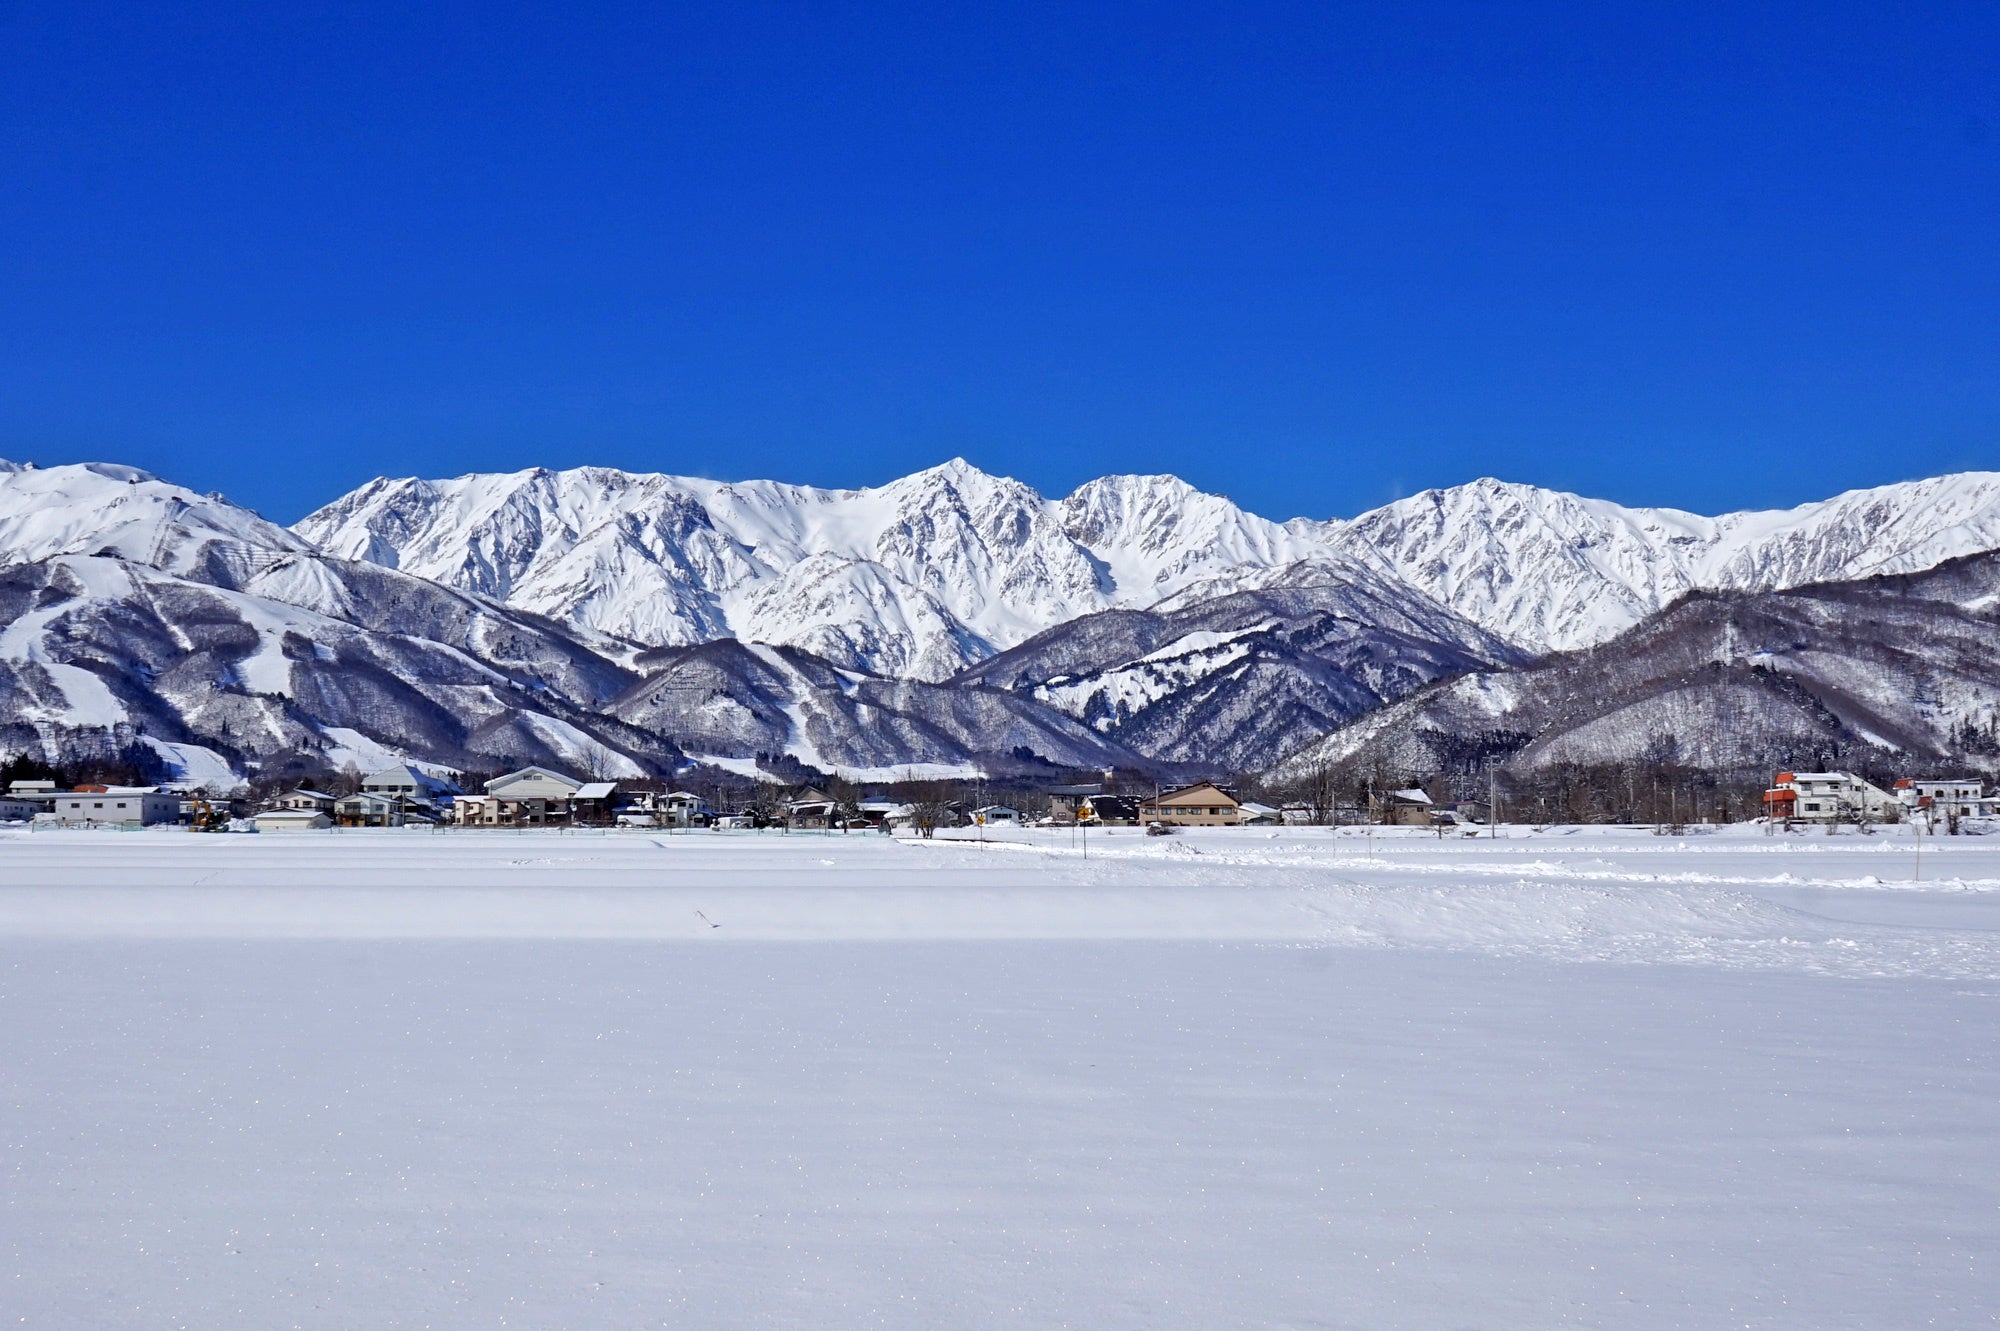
(1252, 814)
(886, 813)
(534, 783)
(809, 807)
(1066, 803)
(410, 785)
(291, 820)
(680, 808)
(115, 806)
(1401, 808)
(303, 800)
(531, 797)
(997, 815)
(1111, 810)
(367, 808)
(39, 793)
(1944, 797)
(1829, 797)
(18, 811)
(1204, 805)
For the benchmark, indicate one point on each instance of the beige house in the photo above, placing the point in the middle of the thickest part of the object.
(310, 801)
(1402, 808)
(1204, 805)
(531, 797)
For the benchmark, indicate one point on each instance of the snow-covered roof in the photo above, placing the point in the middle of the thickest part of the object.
(1412, 796)
(596, 790)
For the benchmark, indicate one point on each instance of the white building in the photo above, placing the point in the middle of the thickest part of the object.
(1945, 797)
(409, 784)
(1830, 797)
(997, 815)
(119, 806)
(680, 808)
(367, 808)
(18, 811)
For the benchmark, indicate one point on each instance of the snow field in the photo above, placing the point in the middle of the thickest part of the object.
(1217, 1080)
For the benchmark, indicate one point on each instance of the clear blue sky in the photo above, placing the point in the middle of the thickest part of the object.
(1310, 256)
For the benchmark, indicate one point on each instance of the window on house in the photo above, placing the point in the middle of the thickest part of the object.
(98, 805)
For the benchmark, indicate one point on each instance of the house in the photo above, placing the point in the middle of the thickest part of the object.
(531, 797)
(884, 813)
(1829, 797)
(367, 808)
(408, 784)
(680, 808)
(310, 801)
(1066, 803)
(997, 815)
(1252, 814)
(591, 805)
(291, 820)
(1111, 810)
(1401, 808)
(115, 806)
(1945, 797)
(1203, 805)
(809, 807)
(39, 793)
(18, 811)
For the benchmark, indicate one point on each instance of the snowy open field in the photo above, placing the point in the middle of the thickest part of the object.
(1217, 1080)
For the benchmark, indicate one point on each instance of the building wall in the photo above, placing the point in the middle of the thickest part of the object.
(1206, 812)
(532, 787)
(136, 810)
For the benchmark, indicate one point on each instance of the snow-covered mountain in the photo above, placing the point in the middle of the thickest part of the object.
(138, 616)
(1874, 672)
(921, 577)
(728, 703)
(935, 572)
(1552, 571)
(1170, 622)
(1236, 680)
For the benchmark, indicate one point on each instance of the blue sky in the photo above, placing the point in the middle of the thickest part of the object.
(1313, 256)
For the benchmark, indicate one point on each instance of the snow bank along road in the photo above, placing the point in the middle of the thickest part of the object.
(1221, 1079)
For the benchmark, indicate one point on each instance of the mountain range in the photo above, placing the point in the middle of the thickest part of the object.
(949, 620)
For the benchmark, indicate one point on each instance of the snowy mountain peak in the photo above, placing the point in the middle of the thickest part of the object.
(933, 571)
(98, 507)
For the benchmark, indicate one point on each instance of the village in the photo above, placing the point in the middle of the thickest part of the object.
(546, 799)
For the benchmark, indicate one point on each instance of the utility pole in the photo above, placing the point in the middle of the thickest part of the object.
(1492, 803)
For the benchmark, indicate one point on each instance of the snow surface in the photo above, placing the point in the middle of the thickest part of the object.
(1225, 1079)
